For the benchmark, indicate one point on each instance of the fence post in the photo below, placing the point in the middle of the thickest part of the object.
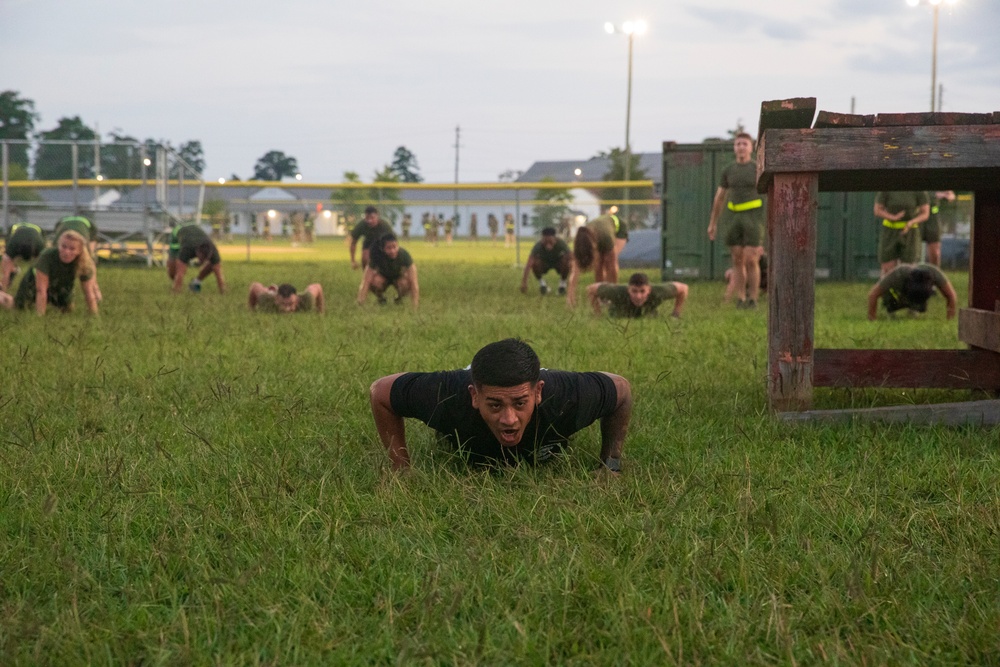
(4, 167)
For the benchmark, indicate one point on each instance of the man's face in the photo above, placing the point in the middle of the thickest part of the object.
(507, 410)
(286, 304)
(391, 249)
(742, 147)
(371, 218)
(638, 294)
(549, 242)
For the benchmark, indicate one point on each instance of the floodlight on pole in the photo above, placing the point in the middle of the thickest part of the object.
(936, 4)
(631, 29)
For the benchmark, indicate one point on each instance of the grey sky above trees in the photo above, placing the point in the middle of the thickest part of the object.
(525, 81)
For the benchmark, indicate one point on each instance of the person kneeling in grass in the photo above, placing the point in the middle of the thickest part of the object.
(551, 253)
(186, 243)
(910, 286)
(638, 298)
(50, 280)
(285, 299)
(24, 241)
(504, 408)
(390, 265)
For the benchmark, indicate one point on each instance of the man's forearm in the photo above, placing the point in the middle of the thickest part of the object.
(614, 427)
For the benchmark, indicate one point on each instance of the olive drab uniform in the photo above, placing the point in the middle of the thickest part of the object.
(474, 228)
(406, 224)
(508, 229)
(893, 243)
(494, 225)
(744, 213)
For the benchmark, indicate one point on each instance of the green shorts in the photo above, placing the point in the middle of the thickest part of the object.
(745, 231)
(930, 230)
(893, 244)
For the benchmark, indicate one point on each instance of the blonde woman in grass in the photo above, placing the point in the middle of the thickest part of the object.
(50, 280)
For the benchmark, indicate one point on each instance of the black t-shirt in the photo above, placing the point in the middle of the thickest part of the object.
(570, 402)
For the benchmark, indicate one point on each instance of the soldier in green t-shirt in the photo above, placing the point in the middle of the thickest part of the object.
(390, 265)
(594, 247)
(188, 242)
(24, 241)
(285, 299)
(910, 286)
(899, 212)
(737, 201)
(50, 281)
(508, 230)
(372, 228)
(930, 231)
(637, 299)
(494, 225)
(551, 253)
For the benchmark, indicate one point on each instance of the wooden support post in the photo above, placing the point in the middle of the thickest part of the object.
(791, 230)
(984, 258)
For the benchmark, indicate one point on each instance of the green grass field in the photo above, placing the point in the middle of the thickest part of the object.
(185, 482)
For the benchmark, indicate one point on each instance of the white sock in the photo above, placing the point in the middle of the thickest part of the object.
(542, 283)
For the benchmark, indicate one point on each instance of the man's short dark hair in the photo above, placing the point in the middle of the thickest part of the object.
(370, 209)
(743, 135)
(638, 279)
(286, 290)
(505, 363)
(385, 239)
(917, 289)
(549, 231)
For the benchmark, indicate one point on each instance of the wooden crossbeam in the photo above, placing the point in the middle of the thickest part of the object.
(973, 413)
(793, 113)
(830, 119)
(943, 369)
(932, 118)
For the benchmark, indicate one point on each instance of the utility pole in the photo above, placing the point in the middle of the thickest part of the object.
(458, 133)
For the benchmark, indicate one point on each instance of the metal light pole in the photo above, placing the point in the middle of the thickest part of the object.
(936, 5)
(630, 28)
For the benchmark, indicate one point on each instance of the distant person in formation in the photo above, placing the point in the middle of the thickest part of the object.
(285, 298)
(267, 228)
(494, 225)
(474, 228)
(930, 231)
(189, 242)
(736, 201)
(508, 230)
(407, 224)
(504, 408)
(638, 298)
(449, 229)
(551, 253)
(392, 266)
(621, 235)
(24, 241)
(50, 280)
(909, 286)
(426, 221)
(437, 222)
(88, 230)
(309, 227)
(372, 227)
(899, 213)
(594, 247)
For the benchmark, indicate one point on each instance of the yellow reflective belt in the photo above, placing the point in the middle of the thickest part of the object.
(893, 225)
(935, 209)
(617, 223)
(745, 206)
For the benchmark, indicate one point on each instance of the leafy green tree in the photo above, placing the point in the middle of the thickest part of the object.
(350, 201)
(404, 166)
(550, 214)
(121, 157)
(192, 153)
(275, 165)
(637, 215)
(17, 121)
(55, 161)
(388, 200)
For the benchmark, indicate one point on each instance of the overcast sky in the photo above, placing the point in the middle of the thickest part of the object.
(340, 84)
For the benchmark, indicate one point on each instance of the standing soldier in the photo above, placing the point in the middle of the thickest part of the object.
(267, 227)
(508, 230)
(372, 227)
(310, 227)
(407, 223)
(216, 223)
(494, 226)
(738, 200)
(900, 213)
(930, 231)
(436, 224)
(473, 228)
(449, 228)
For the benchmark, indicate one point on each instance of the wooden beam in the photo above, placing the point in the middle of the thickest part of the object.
(984, 254)
(830, 119)
(943, 369)
(932, 118)
(979, 328)
(968, 413)
(791, 230)
(796, 112)
(963, 157)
